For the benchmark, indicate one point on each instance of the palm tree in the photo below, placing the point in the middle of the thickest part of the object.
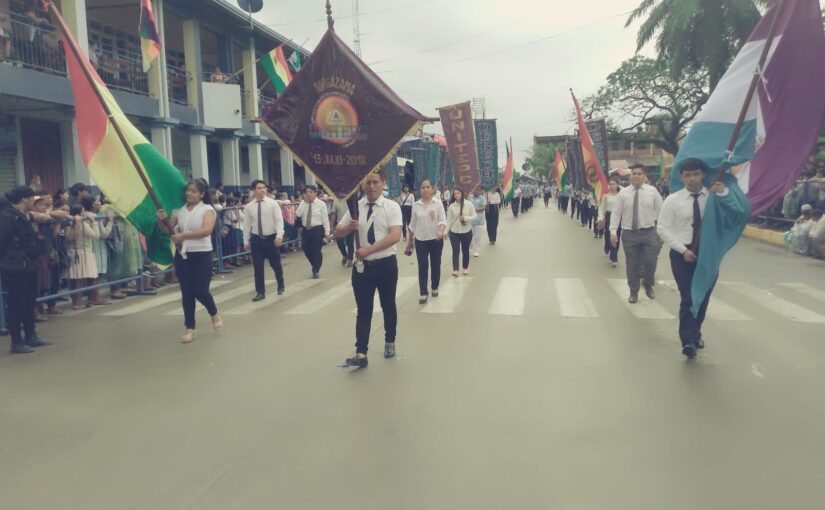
(697, 34)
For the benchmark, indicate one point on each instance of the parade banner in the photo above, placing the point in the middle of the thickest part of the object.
(393, 179)
(598, 133)
(419, 157)
(431, 161)
(456, 120)
(338, 118)
(575, 164)
(487, 146)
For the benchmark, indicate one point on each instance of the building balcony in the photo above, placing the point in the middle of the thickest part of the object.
(178, 80)
(32, 43)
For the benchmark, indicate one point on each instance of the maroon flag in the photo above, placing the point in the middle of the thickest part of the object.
(457, 122)
(339, 119)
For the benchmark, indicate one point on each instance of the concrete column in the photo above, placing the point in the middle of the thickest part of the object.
(158, 78)
(74, 169)
(200, 161)
(309, 177)
(194, 66)
(256, 160)
(287, 175)
(162, 139)
(250, 80)
(231, 163)
(74, 12)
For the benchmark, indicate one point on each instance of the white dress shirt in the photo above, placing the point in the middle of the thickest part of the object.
(406, 199)
(387, 214)
(493, 197)
(320, 214)
(455, 211)
(650, 203)
(272, 219)
(675, 226)
(426, 219)
(608, 205)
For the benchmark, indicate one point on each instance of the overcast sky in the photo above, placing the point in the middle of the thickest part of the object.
(412, 45)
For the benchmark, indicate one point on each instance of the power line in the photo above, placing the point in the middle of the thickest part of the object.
(353, 15)
(509, 48)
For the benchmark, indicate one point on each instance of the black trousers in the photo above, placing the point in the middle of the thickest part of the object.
(428, 252)
(346, 245)
(312, 243)
(461, 242)
(194, 275)
(21, 297)
(563, 203)
(573, 205)
(546, 199)
(406, 217)
(492, 222)
(380, 275)
(263, 248)
(690, 327)
(516, 206)
(608, 247)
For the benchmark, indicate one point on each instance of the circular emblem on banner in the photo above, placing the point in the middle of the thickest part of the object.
(335, 119)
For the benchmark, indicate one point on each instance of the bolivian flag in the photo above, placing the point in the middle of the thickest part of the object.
(561, 171)
(276, 67)
(149, 37)
(118, 156)
(592, 168)
(508, 187)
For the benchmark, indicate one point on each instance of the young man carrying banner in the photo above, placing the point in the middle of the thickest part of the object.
(377, 267)
(679, 226)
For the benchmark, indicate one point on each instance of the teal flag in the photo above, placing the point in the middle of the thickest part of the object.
(393, 180)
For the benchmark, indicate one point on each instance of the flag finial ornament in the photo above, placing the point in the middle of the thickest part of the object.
(330, 21)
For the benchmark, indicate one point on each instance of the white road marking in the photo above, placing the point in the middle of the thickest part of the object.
(250, 307)
(404, 284)
(322, 300)
(781, 306)
(574, 300)
(145, 304)
(248, 288)
(509, 298)
(717, 310)
(644, 308)
(806, 289)
(450, 294)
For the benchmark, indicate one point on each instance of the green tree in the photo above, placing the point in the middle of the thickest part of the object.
(696, 34)
(642, 97)
(540, 160)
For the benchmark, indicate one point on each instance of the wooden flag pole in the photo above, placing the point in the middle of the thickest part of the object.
(79, 56)
(757, 76)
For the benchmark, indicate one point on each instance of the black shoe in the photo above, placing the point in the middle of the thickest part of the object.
(389, 350)
(315, 276)
(649, 292)
(700, 344)
(259, 297)
(36, 341)
(281, 291)
(344, 261)
(21, 349)
(633, 298)
(355, 361)
(689, 350)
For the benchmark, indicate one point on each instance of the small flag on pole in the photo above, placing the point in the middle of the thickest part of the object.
(276, 67)
(507, 185)
(295, 61)
(149, 36)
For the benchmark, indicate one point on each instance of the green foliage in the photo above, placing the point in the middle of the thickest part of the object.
(641, 96)
(540, 160)
(692, 35)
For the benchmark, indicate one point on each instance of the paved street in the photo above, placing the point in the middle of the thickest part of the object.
(531, 384)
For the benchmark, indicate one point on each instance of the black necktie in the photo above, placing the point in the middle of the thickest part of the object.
(309, 215)
(260, 219)
(371, 230)
(697, 224)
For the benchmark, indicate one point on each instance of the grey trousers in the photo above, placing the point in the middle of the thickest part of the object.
(641, 251)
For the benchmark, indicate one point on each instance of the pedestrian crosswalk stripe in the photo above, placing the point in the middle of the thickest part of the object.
(322, 300)
(509, 297)
(291, 289)
(404, 284)
(717, 309)
(645, 308)
(573, 298)
(149, 303)
(450, 295)
(806, 289)
(248, 288)
(781, 306)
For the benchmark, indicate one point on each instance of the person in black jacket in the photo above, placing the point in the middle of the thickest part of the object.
(19, 248)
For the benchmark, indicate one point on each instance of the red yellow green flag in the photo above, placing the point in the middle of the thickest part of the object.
(507, 183)
(592, 168)
(149, 36)
(276, 67)
(111, 147)
(561, 171)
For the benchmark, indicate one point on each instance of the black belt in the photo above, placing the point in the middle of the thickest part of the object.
(313, 228)
(380, 261)
(645, 229)
(269, 236)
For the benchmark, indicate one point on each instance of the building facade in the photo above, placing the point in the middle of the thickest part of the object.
(196, 104)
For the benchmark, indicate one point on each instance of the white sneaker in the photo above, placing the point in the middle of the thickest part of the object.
(613, 264)
(475, 254)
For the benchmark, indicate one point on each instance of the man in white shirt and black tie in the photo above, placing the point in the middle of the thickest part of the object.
(315, 219)
(263, 233)
(680, 223)
(376, 268)
(637, 208)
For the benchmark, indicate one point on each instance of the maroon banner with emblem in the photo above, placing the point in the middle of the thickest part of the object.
(457, 122)
(339, 119)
